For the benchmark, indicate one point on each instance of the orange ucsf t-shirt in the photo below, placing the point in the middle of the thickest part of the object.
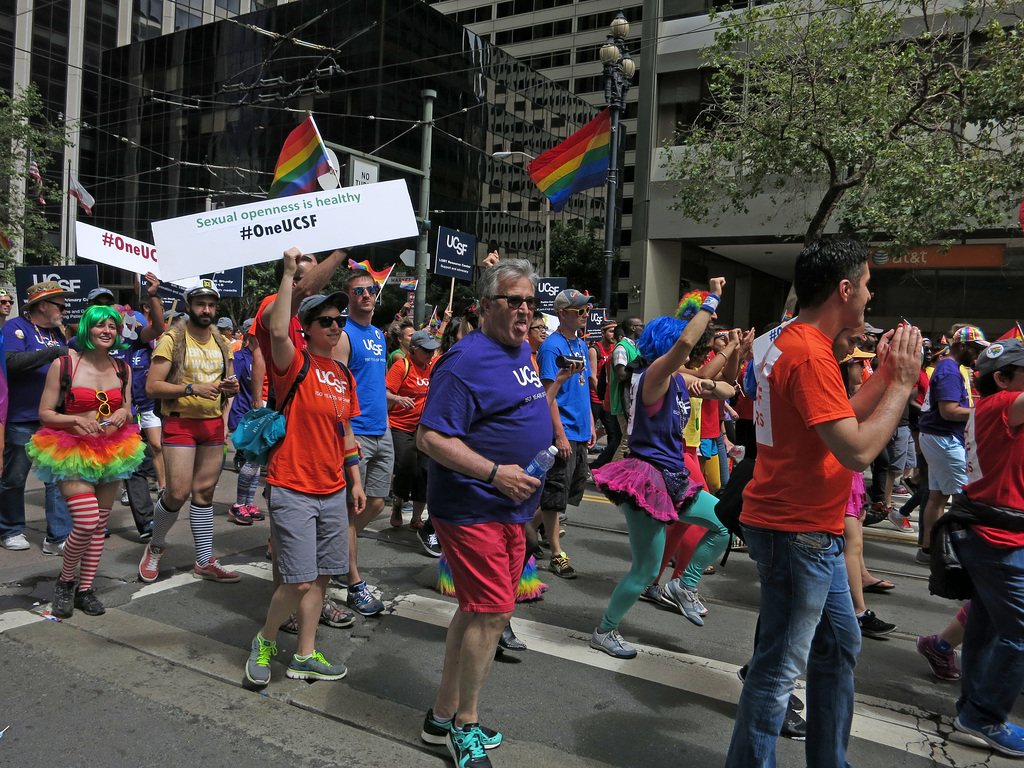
(407, 379)
(798, 485)
(310, 458)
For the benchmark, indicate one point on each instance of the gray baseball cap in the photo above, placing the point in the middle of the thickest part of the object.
(95, 293)
(424, 340)
(225, 323)
(999, 354)
(338, 299)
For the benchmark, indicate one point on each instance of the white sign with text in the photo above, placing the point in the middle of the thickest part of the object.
(106, 247)
(258, 232)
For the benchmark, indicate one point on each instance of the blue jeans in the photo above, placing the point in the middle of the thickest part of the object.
(12, 488)
(807, 623)
(993, 652)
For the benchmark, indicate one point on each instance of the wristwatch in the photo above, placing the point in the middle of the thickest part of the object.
(188, 390)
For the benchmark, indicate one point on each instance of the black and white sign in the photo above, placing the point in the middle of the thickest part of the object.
(77, 278)
(456, 252)
(547, 289)
(228, 282)
(595, 318)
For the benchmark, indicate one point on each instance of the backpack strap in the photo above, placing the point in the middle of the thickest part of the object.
(122, 373)
(295, 384)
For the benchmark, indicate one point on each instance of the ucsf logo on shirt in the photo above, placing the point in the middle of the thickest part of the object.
(333, 380)
(375, 346)
(526, 376)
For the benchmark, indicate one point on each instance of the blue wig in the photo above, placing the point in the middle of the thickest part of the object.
(93, 316)
(659, 335)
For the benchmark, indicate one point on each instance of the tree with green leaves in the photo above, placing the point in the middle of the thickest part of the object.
(24, 131)
(897, 121)
(577, 254)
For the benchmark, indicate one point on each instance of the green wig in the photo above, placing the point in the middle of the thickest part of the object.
(93, 316)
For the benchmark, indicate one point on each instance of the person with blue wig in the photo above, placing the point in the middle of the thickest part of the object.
(652, 485)
(87, 444)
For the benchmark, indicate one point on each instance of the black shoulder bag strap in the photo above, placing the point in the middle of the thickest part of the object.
(295, 384)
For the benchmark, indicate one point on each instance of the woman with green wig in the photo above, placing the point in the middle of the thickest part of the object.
(87, 444)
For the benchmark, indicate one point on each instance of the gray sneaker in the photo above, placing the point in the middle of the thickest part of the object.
(15, 542)
(315, 667)
(612, 644)
(685, 600)
(651, 593)
(257, 668)
(924, 558)
(53, 547)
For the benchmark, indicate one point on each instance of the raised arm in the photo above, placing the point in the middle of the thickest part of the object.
(657, 378)
(156, 311)
(278, 323)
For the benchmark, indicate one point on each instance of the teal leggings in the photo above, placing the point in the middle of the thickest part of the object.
(647, 545)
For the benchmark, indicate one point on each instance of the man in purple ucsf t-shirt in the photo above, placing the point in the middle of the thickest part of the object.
(31, 343)
(486, 417)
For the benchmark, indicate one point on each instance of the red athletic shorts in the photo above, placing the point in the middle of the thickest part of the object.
(486, 561)
(192, 432)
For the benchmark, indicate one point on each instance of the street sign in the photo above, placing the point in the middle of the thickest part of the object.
(456, 252)
(547, 289)
(79, 279)
(364, 172)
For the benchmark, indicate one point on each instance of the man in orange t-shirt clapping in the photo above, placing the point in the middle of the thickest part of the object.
(810, 440)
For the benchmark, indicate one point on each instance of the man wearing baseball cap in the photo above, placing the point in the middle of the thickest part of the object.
(191, 374)
(944, 413)
(573, 423)
(31, 343)
(102, 296)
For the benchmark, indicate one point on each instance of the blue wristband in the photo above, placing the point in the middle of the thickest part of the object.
(711, 303)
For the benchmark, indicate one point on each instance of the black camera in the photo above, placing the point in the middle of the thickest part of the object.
(565, 361)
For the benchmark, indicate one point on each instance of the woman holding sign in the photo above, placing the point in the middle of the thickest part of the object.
(88, 443)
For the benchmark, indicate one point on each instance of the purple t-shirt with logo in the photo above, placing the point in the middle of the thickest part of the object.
(490, 396)
(947, 383)
(25, 389)
(658, 437)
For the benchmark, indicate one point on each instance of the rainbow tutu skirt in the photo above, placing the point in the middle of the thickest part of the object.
(96, 459)
(642, 485)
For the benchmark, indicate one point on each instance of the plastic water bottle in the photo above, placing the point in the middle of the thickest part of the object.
(542, 462)
(737, 453)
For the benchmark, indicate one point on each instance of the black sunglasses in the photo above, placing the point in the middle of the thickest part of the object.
(373, 289)
(326, 321)
(515, 302)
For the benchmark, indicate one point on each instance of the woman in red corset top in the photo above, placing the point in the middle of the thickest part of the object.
(87, 444)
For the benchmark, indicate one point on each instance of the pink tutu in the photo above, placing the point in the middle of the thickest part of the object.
(858, 495)
(641, 484)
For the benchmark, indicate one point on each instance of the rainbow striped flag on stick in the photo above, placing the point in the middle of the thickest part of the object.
(1014, 333)
(408, 284)
(302, 161)
(580, 162)
(379, 276)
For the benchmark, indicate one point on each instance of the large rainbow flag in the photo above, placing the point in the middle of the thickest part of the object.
(303, 159)
(580, 162)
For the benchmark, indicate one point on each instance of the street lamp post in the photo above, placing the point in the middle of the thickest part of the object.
(619, 69)
(547, 213)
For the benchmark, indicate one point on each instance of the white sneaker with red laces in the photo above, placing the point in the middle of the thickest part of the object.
(214, 572)
(901, 523)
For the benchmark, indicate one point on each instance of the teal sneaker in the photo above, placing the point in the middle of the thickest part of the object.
(315, 667)
(1005, 738)
(436, 733)
(466, 748)
(257, 668)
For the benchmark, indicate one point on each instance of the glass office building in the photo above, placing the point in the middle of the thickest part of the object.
(197, 118)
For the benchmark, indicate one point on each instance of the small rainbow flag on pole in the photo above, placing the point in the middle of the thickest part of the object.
(580, 162)
(408, 284)
(302, 161)
(379, 276)
(1014, 333)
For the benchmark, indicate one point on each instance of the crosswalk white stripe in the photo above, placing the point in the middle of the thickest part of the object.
(892, 724)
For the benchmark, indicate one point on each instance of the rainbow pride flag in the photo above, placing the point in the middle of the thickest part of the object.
(1014, 333)
(303, 159)
(379, 276)
(580, 162)
(408, 284)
